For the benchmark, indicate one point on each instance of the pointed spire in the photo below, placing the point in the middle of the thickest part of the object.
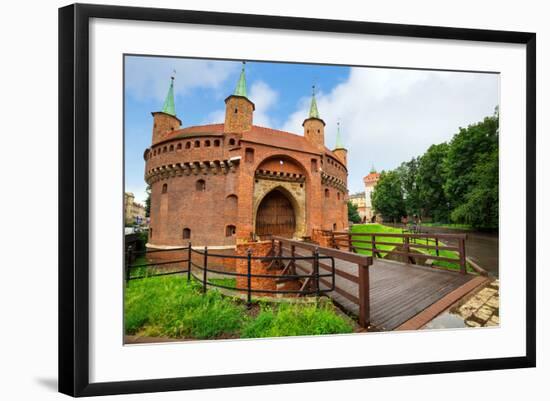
(339, 143)
(313, 112)
(169, 107)
(373, 169)
(240, 90)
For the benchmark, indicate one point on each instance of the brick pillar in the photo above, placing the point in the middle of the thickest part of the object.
(258, 267)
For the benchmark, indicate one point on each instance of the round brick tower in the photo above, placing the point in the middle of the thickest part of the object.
(221, 184)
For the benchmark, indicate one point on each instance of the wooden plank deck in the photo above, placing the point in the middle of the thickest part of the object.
(398, 291)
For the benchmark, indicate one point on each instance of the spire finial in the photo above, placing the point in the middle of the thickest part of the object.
(339, 144)
(240, 90)
(169, 106)
(313, 111)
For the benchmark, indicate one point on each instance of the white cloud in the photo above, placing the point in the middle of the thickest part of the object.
(149, 77)
(264, 97)
(390, 115)
(215, 117)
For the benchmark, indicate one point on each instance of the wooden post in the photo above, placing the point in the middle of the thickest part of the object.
(292, 263)
(205, 270)
(364, 296)
(373, 245)
(436, 246)
(407, 249)
(189, 255)
(332, 240)
(316, 271)
(128, 263)
(350, 247)
(462, 255)
(249, 278)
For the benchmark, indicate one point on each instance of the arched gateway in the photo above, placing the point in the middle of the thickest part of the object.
(275, 216)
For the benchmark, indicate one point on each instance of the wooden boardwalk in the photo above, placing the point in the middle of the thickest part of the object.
(398, 291)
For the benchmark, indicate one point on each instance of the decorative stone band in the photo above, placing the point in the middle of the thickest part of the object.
(188, 168)
(279, 176)
(333, 181)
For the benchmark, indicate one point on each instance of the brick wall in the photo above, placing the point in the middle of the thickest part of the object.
(322, 238)
(228, 171)
(257, 267)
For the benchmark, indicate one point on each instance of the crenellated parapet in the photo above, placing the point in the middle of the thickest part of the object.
(214, 167)
(333, 181)
(280, 176)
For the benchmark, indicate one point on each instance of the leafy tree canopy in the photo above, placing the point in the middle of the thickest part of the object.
(387, 197)
(353, 214)
(455, 181)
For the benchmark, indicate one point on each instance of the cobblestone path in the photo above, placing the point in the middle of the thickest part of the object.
(482, 308)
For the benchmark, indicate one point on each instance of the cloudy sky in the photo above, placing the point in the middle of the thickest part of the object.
(387, 116)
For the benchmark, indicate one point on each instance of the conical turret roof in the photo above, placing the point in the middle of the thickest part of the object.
(339, 143)
(313, 111)
(169, 107)
(240, 90)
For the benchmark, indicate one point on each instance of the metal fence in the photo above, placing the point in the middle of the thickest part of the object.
(206, 257)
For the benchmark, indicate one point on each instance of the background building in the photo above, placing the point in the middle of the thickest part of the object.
(133, 211)
(222, 184)
(370, 182)
(360, 201)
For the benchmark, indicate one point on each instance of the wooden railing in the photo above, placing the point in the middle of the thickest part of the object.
(199, 268)
(298, 248)
(355, 242)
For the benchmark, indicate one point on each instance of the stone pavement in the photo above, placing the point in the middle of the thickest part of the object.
(482, 308)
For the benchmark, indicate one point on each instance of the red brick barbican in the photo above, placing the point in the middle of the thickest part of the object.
(221, 184)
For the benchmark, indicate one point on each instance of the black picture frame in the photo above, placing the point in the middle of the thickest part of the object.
(74, 201)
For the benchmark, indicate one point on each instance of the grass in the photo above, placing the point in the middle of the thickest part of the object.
(139, 271)
(226, 282)
(296, 320)
(171, 306)
(375, 228)
(380, 228)
(449, 225)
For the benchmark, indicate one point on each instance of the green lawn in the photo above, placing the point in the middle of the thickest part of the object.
(449, 225)
(173, 307)
(380, 228)
(375, 228)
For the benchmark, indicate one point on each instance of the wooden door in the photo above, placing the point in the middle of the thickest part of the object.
(275, 216)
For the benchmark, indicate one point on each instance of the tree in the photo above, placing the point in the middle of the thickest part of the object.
(387, 197)
(408, 174)
(353, 214)
(468, 148)
(471, 169)
(431, 178)
(480, 208)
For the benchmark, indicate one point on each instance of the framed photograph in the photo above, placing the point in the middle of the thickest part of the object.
(251, 199)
